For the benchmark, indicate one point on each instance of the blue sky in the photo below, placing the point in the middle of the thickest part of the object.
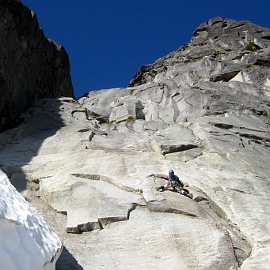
(109, 40)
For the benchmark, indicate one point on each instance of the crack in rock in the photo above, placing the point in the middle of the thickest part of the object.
(167, 149)
(101, 223)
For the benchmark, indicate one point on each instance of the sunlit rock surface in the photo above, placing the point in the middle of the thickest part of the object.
(203, 111)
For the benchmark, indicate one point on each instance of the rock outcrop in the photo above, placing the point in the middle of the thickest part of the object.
(219, 51)
(203, 111)
(31, 66)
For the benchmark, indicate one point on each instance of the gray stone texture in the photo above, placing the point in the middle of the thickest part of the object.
(203, 111)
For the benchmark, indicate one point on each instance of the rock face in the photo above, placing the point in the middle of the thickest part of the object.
(27, 242)
(31, 66)
(203, 111)
(219, 51)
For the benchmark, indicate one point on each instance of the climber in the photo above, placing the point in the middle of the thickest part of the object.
(173, 182)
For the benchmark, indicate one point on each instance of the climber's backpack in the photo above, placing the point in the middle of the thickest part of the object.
(177, 180)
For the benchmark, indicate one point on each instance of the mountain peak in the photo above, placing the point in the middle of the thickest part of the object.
(219, 40)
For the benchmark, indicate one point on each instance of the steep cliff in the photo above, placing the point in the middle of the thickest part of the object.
(31, 66)
(203, 111)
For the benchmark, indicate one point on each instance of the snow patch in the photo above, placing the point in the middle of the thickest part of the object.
(26, 241)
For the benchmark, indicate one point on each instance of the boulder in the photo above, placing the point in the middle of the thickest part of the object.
(126, 108)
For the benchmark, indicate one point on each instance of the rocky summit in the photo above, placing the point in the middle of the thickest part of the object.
(92, 166)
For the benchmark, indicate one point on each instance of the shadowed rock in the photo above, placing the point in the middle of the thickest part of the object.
(32, 66)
